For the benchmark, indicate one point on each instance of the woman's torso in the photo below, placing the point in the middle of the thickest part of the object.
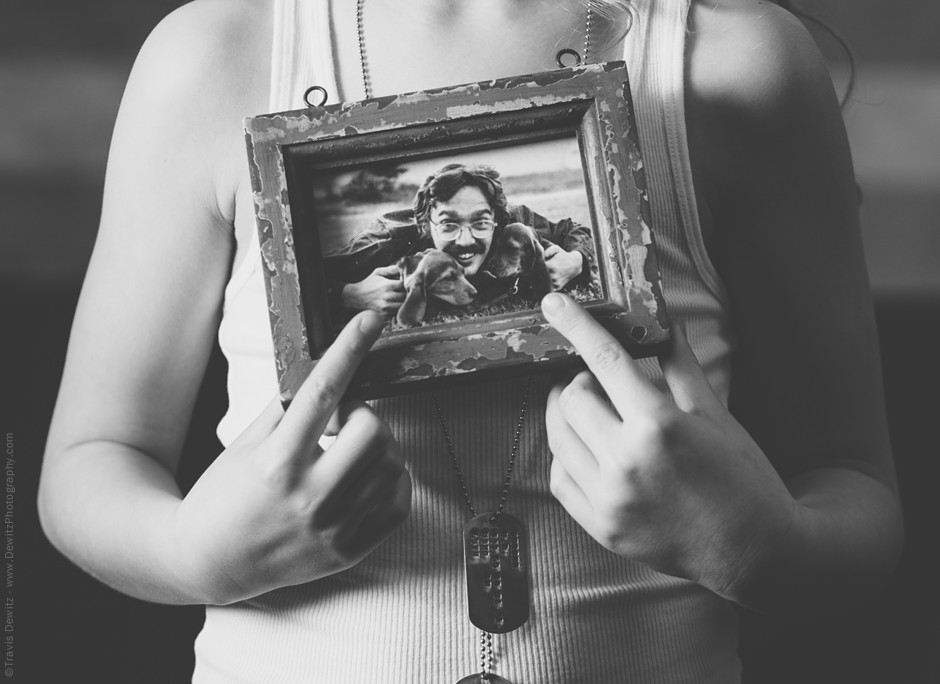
(400, 615)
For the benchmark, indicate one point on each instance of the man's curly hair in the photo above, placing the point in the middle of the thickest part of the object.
(443, 185)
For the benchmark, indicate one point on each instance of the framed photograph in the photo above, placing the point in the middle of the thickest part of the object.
(454, 211)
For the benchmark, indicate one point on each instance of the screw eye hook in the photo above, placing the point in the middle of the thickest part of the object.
(315, 89)
(567, 52)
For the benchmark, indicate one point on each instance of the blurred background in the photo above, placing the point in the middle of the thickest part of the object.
(63, 66)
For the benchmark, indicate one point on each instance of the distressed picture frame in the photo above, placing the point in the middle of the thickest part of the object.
(298, 159)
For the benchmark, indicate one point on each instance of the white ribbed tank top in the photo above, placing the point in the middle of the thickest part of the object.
(400, 615)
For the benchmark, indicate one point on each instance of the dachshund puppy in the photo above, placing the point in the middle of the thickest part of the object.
(517, 250)
(431, 273)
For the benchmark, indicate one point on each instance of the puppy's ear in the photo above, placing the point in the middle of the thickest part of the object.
(411, 312)
(538, 271)
(407, 265)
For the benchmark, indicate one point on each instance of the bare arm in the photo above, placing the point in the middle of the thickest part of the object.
(148, 313)
(807, 382)
(790, 504)
(143, 329)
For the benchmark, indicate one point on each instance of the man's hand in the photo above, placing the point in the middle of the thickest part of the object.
(562, 266)
(275, 509)
(680, 487)
(381, 291)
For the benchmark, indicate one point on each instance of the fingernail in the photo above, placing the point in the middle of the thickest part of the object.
(553, 304)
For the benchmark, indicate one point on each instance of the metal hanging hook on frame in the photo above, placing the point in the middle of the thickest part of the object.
(324, 96)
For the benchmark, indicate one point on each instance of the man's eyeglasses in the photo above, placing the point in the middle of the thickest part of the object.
(451, 231)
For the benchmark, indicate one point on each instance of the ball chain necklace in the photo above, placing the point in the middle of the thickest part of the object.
(495, 543)
(495, 559)
(364, 65)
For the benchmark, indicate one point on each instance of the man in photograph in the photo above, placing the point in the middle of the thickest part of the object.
(461, 210)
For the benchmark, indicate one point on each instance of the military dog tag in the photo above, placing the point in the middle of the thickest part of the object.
(496, 556)
(483, 679)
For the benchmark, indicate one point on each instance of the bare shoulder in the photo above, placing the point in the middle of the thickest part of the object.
(760, 96)
(199, 73)
(217, 37)
(753, 54)
(209, 60)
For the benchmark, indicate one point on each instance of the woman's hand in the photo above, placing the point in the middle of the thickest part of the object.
(562, 266)
(275, 509)
(382, 291)
(680, 487)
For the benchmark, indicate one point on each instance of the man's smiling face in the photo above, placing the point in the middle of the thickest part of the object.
(466, 206)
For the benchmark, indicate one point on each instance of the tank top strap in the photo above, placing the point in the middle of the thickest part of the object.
(655, 54)
(302, 53)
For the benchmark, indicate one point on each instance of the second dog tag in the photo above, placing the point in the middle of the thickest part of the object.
(496, 556)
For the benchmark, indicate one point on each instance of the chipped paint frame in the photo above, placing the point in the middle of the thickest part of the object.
(593, 102)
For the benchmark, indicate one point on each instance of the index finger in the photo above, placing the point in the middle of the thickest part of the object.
(613, 367)
(316, 400)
